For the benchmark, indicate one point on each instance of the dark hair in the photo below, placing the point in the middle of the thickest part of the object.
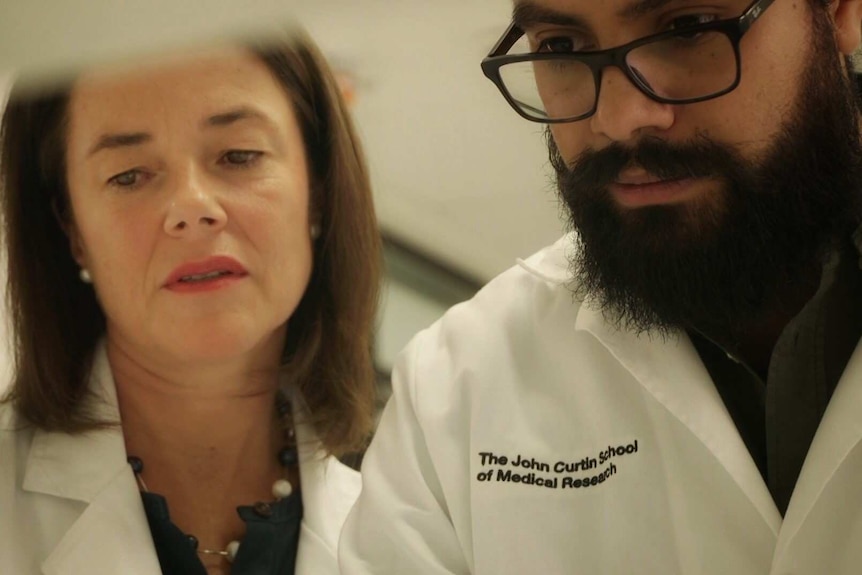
(57, 321)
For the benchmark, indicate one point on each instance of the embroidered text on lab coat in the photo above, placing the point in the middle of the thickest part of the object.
(526, 470)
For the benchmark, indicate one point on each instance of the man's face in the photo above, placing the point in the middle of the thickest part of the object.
(773, 54)
(695, 215)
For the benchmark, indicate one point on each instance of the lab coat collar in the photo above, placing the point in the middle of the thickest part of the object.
(91, 468)
(111, 536)
(80, 466)
(112, 531)
(671, 371)
(839, 433)
(552, 263)
(329, 490)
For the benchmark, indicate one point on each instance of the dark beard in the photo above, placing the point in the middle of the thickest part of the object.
(727, 260)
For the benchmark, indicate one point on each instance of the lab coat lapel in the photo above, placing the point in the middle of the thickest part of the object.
(839, 432)
(671, 371)
(111, 535)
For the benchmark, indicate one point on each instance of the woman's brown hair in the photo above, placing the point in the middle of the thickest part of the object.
(57, 322)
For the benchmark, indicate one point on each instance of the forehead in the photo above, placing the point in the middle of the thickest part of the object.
(174, 91)
(574, 12)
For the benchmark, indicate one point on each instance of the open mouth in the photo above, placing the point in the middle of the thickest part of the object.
(197, 278)
(210, 273)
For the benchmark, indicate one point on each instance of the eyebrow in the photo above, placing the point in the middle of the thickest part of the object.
(114, 141)
(235, 115)
(640, 8)
(131, 139)
(527, 14)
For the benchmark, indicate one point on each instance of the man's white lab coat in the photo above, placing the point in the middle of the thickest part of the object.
(526, 435)
(70, 505)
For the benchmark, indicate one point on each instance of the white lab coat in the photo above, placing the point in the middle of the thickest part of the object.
(70, 505)
(524, 371)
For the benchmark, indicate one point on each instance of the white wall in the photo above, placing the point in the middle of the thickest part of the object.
(404, 312)
(5, 367)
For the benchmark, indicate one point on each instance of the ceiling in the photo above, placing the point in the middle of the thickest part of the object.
(458, 176)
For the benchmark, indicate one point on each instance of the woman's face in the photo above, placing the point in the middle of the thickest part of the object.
(189, 191)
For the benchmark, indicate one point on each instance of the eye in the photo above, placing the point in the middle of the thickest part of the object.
(560, 45)
(129, 179)
(240, 158)
(681, 23)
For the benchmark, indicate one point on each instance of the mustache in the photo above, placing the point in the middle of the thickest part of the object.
(698, 158)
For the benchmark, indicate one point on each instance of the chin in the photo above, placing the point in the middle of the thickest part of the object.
(211, 343)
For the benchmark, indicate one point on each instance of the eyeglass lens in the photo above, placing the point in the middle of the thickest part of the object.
(679, 68)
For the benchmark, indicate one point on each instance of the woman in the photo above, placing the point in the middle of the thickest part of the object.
(193, 270)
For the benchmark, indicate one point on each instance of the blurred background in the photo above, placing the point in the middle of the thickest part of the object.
(462, 185)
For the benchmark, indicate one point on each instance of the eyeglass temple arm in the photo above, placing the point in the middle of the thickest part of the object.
(505, 43)
(752, 14)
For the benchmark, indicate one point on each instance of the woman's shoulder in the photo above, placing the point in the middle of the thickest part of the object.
(329, 490)
(325, 480)
(18, 444)
(8, 414)
(16, 435)
(343, 484)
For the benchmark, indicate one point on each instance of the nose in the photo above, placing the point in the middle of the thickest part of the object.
(624, 113)
(194, 211)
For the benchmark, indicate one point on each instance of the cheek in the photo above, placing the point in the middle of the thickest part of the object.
(571, 139)
(748, 119)
(278, 225)
(119, 232)
(118, 244)
(280, 204)
(771, 83)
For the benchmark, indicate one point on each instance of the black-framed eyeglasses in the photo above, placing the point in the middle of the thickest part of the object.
(680, 66)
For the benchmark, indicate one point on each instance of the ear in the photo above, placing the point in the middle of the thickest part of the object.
(847, 16)
(314, 215)
(67, 224)
(76, 245)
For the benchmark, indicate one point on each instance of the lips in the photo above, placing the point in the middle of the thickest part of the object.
(655, 192)
(640, 177)
(204, 271)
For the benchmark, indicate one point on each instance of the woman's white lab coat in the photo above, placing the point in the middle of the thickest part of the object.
(70, 505)
(526, 435)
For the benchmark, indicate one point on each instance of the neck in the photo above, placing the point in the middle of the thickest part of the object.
(207, 446)
(190, 412)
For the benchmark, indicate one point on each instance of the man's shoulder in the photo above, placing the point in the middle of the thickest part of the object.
(548, 267)
(512, 300)
(510, 320)
(552, 263)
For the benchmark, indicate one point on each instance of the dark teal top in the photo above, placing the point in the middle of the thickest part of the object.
(268, 548)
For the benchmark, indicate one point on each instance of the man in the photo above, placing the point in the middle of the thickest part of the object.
(676, 387)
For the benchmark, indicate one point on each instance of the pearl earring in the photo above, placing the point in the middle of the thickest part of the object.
(315, 231)
(85, 276)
